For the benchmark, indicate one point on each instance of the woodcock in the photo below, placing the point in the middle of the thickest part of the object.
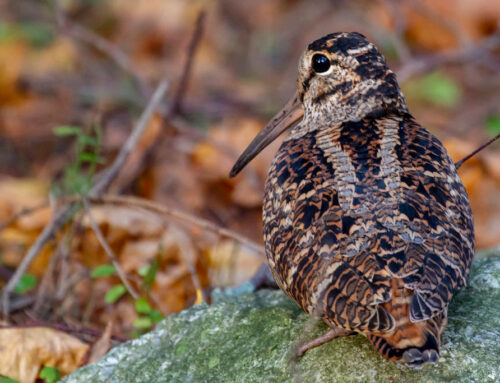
(366, 222)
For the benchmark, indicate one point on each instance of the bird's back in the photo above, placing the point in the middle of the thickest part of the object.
(367, 225)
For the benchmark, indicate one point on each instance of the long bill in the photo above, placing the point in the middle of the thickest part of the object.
(287, 117)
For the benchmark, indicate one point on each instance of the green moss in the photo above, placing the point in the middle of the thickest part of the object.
(251, 338)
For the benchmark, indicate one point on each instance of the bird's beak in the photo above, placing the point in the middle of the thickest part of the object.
(287, 117)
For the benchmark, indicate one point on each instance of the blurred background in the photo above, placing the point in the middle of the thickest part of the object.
(75, 76)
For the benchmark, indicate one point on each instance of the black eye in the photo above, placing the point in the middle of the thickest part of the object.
(320, 63)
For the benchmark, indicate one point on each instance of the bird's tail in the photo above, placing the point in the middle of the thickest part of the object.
(412, 342)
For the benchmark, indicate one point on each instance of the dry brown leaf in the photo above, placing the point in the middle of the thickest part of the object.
(102, 345)
(133, 221)
(17, 194)
(480, 176)
(23, 351)
(231, 265)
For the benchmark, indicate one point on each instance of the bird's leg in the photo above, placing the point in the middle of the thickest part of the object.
(326, 337)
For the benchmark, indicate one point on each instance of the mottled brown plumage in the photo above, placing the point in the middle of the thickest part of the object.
(366, 222)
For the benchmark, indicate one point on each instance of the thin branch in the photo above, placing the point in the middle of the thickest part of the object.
(103, 180)
(473, 52)
(107, 249)
(65, 328)
(58, 221)
(176, 105)
(92, 39)
(399, 20)
(177, 214)
(22, 213)
(188, 252)
(460, 163)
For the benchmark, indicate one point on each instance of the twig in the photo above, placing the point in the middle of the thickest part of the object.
(104, 179)
(399, 20)
(179, 215)
(460, 163)
(187, 251)
(23, 212)
(112, 257)
(43, 298)
(65, 328)
(427, 63)
(57, 222)
(87, 36)
(176, 105)
(173, 108)
(164, 210)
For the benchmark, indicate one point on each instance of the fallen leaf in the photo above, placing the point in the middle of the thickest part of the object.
(102, 345)
(23, 351)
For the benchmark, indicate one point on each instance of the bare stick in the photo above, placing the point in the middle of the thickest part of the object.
(22, 213)
(460, 163)
(65, 328)
(112, 257)
(104, 179)
(164, 210)
(184, 81)
(59, 220)
(424, 64)
(188, 253)
(88, 37)
(175, 106)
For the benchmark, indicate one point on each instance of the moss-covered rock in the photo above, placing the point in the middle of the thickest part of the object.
(251, 338)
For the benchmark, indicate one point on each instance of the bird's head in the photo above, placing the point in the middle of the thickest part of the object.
(341, 77)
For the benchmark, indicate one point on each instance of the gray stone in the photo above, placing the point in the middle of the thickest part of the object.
(251, 338)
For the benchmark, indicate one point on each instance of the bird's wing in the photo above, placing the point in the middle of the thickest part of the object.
(437, 225)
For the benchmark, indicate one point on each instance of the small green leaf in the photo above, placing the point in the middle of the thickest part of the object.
(115, 293)
(4, 379)
(143, 323)
(103, 271)
(493, 125)
(86, 140)
(50, 374)
(89, 157)
(436, 88)
(26, 283)
(156, 316)
(150, 277)
(143, 271)
(37, 34)
(67, 131)
(142, 306)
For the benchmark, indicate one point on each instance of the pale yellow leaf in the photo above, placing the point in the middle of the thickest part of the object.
(23, 351)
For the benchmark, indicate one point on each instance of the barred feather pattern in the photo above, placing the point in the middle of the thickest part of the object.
(368, 226)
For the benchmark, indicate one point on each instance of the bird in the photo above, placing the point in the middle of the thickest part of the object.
(366, 222)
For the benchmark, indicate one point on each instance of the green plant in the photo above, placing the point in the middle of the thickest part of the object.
(77, 177)
(26, 283)
(5, 379)
(492, 125)
(437, 88)
(50, 374)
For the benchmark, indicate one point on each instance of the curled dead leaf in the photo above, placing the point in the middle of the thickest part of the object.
(23, 351)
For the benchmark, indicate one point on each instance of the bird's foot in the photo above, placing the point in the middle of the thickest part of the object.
(416, 358)
(326, 337)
